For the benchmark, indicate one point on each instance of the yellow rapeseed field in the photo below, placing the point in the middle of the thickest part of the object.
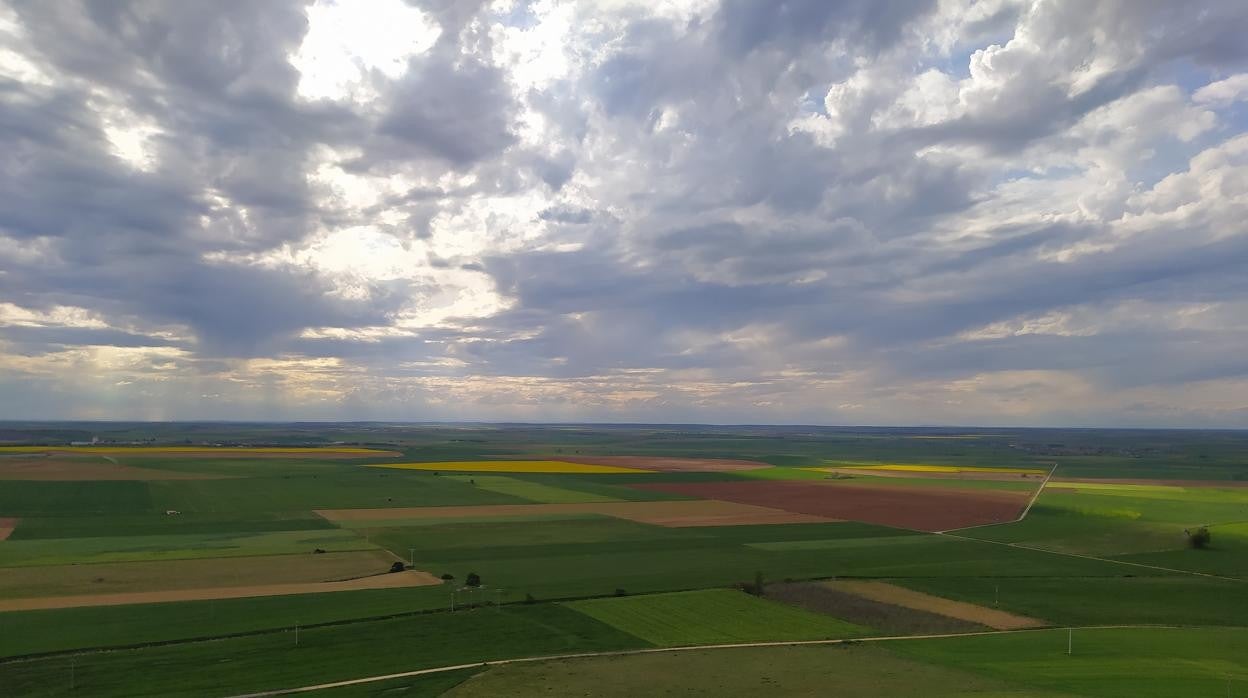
(512, 466)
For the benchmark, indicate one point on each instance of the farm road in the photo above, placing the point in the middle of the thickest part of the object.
(653, 650)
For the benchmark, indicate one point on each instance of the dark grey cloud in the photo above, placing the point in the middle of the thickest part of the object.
(743, 26)
(460, 113)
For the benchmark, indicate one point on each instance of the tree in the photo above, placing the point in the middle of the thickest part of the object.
(397, 566)
(755, 588)
(1199, 538)
(448, 577)
(472, 580)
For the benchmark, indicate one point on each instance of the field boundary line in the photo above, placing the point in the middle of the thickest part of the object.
(684, 648)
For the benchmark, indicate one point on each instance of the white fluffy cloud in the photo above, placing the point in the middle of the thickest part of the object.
(801, 211)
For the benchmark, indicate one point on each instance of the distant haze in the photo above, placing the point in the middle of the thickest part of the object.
(802, 211)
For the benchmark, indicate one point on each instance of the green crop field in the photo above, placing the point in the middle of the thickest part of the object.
(854, 671)
(709, 617)
(186, 523)
(1103, 662)
(79, 551)
(532, 491)
(1099, 553)
(274, 660)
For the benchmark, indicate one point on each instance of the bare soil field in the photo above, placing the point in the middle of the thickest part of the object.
(6, 527)
(921, 509)
(114, 578)
(407, 578)
(69, 469)
(887, 618)
(672, 465)
(900, 596)
(672, 514)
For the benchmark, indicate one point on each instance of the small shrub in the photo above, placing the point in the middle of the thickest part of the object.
(528, 598)
(472, 580)
(621, 592)
(398, 567)
(1199, 538)
(448, 577)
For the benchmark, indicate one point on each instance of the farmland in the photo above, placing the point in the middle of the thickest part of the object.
(709, 617)
(594, 539)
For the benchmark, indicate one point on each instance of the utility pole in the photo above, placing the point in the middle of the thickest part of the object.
(498, 603)
(1070, 640)
(296, 633)
(413, 551)
(996, 595)
(452, 600)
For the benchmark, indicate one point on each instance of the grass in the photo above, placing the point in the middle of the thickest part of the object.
(532, 491)
(323, 654)
(1104, 662)
(711, 616)
(510, 466)
(78, 551)
(841, 670)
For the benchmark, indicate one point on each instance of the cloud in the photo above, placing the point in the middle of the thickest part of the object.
(1005, 212)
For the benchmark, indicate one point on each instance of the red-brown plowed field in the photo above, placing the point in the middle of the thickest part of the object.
(922, 509)
(6, 527)
(695, 465)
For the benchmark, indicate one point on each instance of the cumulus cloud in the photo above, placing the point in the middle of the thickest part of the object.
(1005, 212)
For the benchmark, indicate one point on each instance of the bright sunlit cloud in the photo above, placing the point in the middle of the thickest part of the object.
(346, 41)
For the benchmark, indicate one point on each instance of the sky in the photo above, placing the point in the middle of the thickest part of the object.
(800, 211)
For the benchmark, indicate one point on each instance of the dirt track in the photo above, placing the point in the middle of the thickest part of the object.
(919, 508)
(409, 578)
(676, 514)
(674, 465)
